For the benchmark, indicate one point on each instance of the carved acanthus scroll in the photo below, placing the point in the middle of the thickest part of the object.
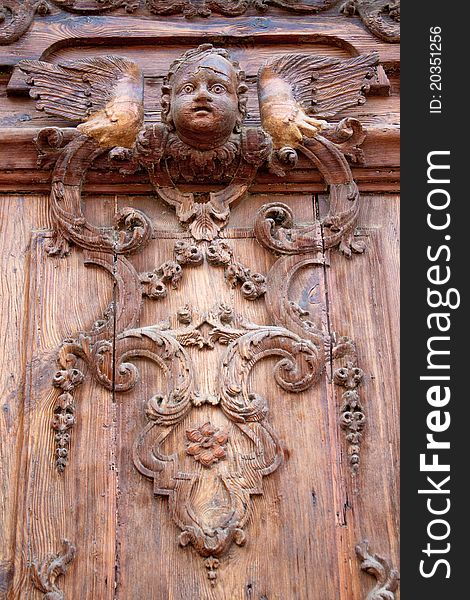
(381, 17)
(45, 573)
(202, 454)
(221, 454)
(380, 568)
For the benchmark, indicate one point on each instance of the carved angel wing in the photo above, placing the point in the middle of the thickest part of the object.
(297, 86)
(105, 93)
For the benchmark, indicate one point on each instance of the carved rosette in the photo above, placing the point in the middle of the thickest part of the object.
(207, 465)
(206, 444)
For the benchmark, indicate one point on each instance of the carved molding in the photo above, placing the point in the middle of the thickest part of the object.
(45, 573)
(349, 376)
(380, 568)
(381, 17)
(202, 136)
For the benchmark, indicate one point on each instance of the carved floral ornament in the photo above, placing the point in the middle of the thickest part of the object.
(381, 17)
(202, 137)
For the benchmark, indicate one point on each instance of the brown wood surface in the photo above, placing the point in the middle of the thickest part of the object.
(19, 171)
(79, 30)
(365, 296)
(303, 529)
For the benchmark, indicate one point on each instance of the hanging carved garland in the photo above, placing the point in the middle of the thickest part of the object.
(202, 137)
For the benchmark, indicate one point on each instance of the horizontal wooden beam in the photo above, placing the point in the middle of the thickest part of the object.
(380, 172)
(49, 35)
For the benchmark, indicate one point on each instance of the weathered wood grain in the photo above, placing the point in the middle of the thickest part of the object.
(80, 507)
(304, 527)
(364, 305)
(309, 506)
(19, 172)
(294, 512)
(349, 33)
(17, 217)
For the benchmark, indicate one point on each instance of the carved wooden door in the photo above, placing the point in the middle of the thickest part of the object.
(200, 281)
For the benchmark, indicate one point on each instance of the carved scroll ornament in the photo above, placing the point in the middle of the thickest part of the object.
(202, 137)
(381, 17)
(380, 568)
(207, 467)
(45, 573)
(16, 17)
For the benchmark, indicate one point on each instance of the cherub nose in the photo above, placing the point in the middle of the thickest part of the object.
(202, 93)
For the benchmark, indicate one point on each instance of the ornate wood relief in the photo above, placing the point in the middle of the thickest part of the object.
(382, 17)
(202, 466)
(219, 461)
(45, 573)
(348, 375)
(380, 568)
(16, 17)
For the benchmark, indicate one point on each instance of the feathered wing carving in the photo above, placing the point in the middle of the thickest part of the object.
(297, 91)
(105, 93)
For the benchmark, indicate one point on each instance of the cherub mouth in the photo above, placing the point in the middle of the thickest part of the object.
(202, 110)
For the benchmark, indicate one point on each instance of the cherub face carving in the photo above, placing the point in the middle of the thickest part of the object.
(202, 103)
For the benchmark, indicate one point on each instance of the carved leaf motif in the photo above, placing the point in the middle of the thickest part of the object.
(243, 412)
(212, 533)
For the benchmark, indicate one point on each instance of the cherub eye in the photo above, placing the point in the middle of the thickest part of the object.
(218, 88)
(188, 88)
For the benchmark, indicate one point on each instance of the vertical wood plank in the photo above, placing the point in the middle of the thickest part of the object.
(18, 216)
(364, 306)
(78, 504)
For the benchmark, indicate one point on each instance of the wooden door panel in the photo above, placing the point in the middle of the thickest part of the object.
(18, 217)
(51, 507)
(297, 504)
(201, 392)
(366, 309)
